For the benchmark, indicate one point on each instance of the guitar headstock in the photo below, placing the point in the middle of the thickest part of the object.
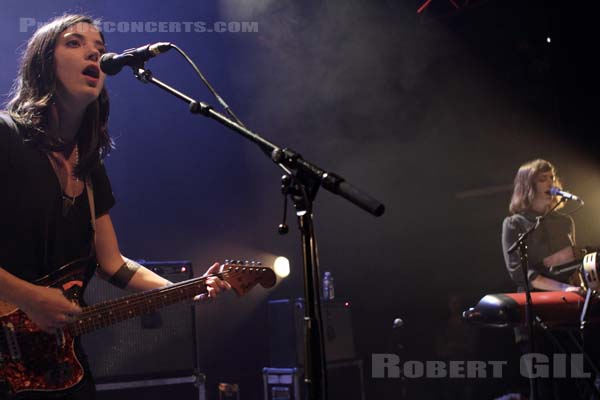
(244, 275)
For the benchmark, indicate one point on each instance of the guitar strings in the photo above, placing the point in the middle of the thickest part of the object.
(137, 299)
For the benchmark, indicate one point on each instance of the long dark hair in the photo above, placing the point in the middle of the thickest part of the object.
(34, 92)
(524, 186)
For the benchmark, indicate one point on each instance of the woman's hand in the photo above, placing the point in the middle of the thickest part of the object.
(214, 285)
(576, 289)
(49, 309)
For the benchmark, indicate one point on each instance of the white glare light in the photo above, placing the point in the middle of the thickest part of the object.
(548, 39)
(281, 267)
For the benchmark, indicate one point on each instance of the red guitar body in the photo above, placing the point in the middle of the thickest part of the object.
(33, 360)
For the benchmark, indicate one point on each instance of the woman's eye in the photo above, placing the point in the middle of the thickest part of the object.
(73, 43)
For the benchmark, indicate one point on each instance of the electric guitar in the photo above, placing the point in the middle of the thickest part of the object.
(34, 361)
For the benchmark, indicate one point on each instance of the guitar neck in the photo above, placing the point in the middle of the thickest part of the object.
(110, 312)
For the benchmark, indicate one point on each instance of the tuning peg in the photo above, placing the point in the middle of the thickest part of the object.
(258, 263)
(238, 262)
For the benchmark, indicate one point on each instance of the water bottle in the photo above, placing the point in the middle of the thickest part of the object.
(328, 289)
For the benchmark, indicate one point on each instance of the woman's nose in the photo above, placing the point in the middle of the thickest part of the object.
(93, 55)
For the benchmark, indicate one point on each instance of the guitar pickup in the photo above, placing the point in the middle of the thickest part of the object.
(60, 338)
(11, 340)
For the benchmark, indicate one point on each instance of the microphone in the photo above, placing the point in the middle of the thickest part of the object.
(554, 191)
(112, 63)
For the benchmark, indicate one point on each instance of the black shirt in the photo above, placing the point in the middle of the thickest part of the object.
(35, 237)
(556, 232)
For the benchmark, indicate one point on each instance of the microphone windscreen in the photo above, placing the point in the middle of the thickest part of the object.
(108, 65)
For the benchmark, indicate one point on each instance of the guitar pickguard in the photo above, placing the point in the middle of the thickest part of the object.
(34, 360)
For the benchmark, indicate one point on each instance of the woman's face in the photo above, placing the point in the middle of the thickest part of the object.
(543, 182)
(76, 57)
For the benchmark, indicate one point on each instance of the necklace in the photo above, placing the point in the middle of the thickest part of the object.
(70, 185)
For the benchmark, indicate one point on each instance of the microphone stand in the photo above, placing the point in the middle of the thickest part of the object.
(301, 181)
(521, 245)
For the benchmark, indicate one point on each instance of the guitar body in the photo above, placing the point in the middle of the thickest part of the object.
(35, 361)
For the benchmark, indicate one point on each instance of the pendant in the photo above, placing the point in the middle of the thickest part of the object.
(67, 203)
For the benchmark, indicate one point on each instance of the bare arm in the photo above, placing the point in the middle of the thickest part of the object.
(560, 257)
(14, 290)
(111, 260)
(542, 283)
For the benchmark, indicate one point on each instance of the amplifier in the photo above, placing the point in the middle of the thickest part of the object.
(286, 332)
(282, 383)
(158, 344)
(345, 382)
(181, 388)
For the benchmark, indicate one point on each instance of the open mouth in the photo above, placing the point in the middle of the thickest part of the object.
(92, 71)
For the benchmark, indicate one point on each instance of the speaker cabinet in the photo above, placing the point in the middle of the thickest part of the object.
(286, 332)
(180, 388)
(160, 343)
(345, 382)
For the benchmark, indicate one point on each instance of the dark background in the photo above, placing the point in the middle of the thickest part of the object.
(432, 113)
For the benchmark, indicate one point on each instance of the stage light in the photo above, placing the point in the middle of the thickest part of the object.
(548, 39)
(281, 267)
